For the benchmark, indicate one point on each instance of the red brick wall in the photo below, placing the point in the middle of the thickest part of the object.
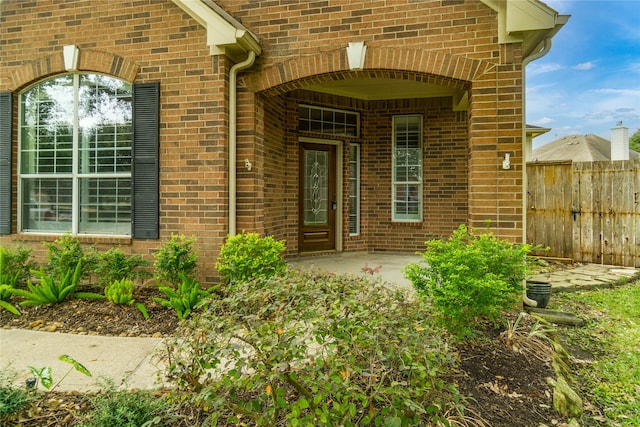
(289, 29)
(446, 42)
(146, 41)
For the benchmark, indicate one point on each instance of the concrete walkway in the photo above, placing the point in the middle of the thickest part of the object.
(134, 362)
(128, 362)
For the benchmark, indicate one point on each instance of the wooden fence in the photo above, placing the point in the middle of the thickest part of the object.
(588, 211)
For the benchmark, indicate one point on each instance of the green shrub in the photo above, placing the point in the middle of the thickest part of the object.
(311, 349)
(115, 265)
(65, 253)
(185, 297)
(12, 398)
(247, 256)
(121, 292)
(50, 290)
(127, 409)
(468, 278)
(176, 257)
(16, 263)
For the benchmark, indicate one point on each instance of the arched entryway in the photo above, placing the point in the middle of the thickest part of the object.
(362, 122)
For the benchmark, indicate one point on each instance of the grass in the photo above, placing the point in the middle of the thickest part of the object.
(612, 333)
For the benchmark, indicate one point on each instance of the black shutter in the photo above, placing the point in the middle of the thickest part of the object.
(146, 133)
(5, 161)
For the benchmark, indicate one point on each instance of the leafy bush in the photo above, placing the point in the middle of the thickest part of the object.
(65, 253)
(311, 349)
(185, 297)
(247, 256)
(51, 290)
(115, 265)
(12, 399)
(176, 257)
(468, 278)
(127, 409)
(16, 263)
(121, 292)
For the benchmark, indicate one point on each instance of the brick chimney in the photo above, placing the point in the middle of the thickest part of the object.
(619, 142)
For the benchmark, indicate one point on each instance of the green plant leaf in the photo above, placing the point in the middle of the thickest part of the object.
(10, 308)
(43, 375)
(76, 365)
(88, 295)
(142, 309)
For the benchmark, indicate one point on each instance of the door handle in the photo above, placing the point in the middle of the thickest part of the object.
(334, 205)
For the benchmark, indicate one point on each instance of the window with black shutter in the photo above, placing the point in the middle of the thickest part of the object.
(5, 162)
(146, 124)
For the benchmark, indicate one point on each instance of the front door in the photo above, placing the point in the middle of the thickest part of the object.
(317, 199)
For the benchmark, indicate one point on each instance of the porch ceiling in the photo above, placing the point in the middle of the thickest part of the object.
(370, 89)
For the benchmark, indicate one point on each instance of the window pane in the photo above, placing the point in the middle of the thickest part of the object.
(47, 204)
(407, 168)
(105, 206)
(354, 189)
(104, 116)
(328, 121)
(407, 200)
(47, 127)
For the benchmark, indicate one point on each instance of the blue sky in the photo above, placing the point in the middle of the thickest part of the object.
(591, 77)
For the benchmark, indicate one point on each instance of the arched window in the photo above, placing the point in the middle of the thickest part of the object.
(75, 156)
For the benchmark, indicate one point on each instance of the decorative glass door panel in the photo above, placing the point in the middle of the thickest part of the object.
(318, 203)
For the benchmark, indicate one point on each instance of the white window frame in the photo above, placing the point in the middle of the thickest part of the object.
(396, 166)
(354, 186)
(74, 175)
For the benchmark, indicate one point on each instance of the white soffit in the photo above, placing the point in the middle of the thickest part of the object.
(370, 89)
(225, 36)
(516, 17)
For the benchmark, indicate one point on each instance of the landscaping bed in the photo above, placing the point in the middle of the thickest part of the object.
(507, 388)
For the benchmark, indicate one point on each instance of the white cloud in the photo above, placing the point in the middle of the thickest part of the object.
(584, 66)
(537, 69)
(544, 121)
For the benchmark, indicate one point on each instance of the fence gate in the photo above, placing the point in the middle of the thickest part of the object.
(588, 211)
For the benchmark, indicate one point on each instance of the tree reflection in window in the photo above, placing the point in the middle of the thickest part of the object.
(75, 155)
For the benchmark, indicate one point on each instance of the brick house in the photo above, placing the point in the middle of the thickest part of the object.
(337, 126)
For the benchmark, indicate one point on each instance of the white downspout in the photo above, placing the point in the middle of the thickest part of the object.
(233, 74)
(546, 47)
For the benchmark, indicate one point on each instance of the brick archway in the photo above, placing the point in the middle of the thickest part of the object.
(89, 60)
(428, 66)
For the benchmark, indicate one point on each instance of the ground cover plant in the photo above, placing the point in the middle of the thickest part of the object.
(12, 399)
(608, 352)
(118, 408)
(186, 296)
(53, 288)
(315, 349)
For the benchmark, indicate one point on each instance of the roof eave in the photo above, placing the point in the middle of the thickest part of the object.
(526, 21)
(225, 35)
